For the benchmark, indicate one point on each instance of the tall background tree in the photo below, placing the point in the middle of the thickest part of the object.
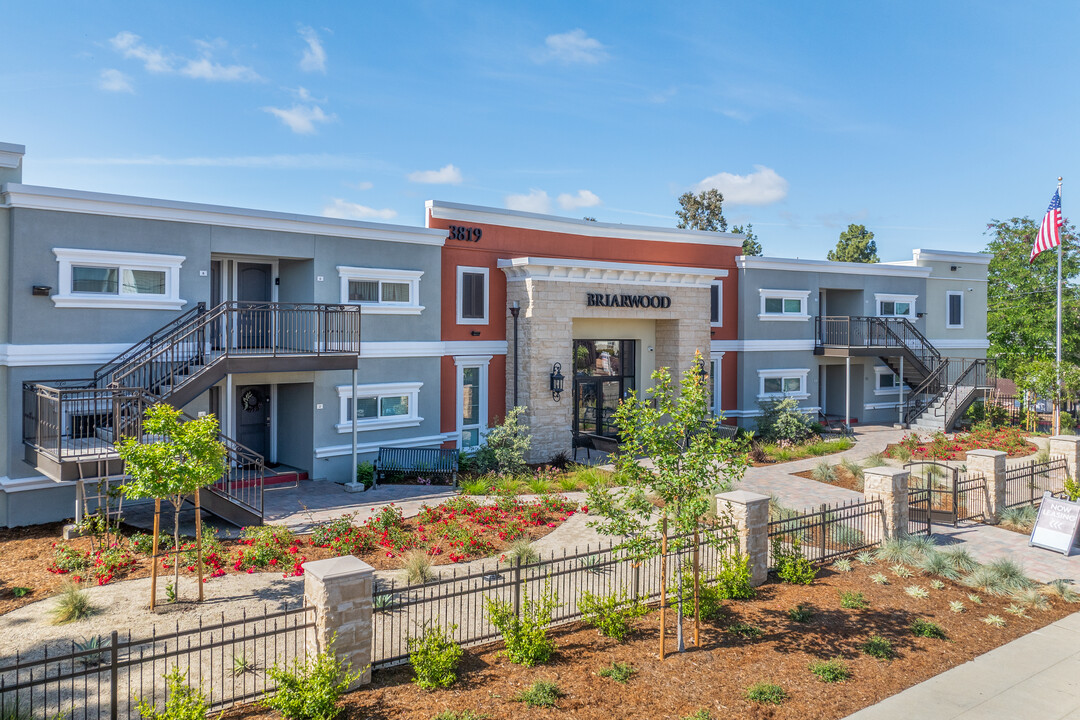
(750, 245)
(1021, 318)
(856, 244)
(702, 211)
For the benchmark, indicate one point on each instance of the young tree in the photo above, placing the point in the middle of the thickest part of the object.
(856, 244)
(690, 464)
(750, 246)
(171, 460)
(703, 211)
(1021, 318)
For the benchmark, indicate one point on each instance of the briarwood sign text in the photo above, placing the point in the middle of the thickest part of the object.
(629, 301)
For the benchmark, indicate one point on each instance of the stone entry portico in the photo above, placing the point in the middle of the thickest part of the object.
(553, 293)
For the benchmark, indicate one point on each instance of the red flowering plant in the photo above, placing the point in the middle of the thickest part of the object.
(983, 436)
(343, 536)
(269, 547)
(103, 563)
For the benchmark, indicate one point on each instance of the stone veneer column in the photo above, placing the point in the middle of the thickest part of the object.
(890, 485)
(991, 463)
(1069, 446)
(750, 515)
(340, 590)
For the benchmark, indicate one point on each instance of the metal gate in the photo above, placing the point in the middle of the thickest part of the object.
(942, 485)
(918, 511)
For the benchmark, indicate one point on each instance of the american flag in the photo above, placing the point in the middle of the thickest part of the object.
(1049, 236)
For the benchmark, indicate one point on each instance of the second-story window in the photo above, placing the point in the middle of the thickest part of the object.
(784, 304)
(902, 306)
(106, 278)
(472, 305)
(954, 309)
(716, 309)
(382, 291)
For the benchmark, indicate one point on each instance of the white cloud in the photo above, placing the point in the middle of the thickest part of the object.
(583, 199)
(131, 46)
(574, 47)
(362, 185)
(761, 187)
(344, 210)
(448, 175)
(206, 69)
(115, 81)
(536, 201)
(314, 59)
(301, 119)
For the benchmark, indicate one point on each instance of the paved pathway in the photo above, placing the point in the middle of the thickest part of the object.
(987, 542)
(1035, 676)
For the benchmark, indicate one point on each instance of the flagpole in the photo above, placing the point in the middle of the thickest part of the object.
(1057, 384)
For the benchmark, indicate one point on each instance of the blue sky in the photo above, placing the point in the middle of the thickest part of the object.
(921, 120)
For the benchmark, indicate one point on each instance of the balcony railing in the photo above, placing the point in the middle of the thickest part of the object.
(875, 333)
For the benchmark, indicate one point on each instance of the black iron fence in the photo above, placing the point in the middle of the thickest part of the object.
(462, 598)
(1026, 482)
(106, 677)
(953, 495)
(918, 511)
(831, 531)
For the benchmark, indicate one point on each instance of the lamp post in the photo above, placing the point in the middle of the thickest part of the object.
(515, 310)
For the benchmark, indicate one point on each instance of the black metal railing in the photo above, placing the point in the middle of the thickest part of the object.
(1026, 482)
(461, 598)
(103, 375)
(105, 680)
(830, 532)
(918, 511)
(953, 495)
(976, 375)
(876, 333)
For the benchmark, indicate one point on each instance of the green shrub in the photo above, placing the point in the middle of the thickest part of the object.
(878, 647)
(509, 443)
(521, 552)
(927, 629)
(940, 564)
(791, 566)
(365, 474)
(800, 613)
(417, 564)
(611, 615)
(1018, 518)
(72, 605)
(842, 565)
(824, 472)
(310, 690)
(853, 600)
(744, 630)
(525, 635)
(831, 671)
(733, 578)
(183, 702)
(782, 420)
(619, 672)
(767, 693)
(541, 693)
(476, 486)
(21, 592)
(434, 656)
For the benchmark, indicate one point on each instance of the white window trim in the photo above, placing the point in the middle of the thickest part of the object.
(884, 297)
(378, 391)
(169, 264)
(717, 362)
(879, 372)
(461, 362)
(719, 304)
(461, 269)
(800, 373)
(948, 294)
(412, 277)
(803, 296)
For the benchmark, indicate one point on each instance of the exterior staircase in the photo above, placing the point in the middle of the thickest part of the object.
(938, 389)
(70, 426)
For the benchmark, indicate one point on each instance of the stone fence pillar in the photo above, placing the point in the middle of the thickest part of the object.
(991, 463)
(1069, 446)
(340, 590)
(890, 485)
(750, 515)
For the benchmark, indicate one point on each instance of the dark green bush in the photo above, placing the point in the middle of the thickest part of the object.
(791, 566)
(878, 647)
(767, 693)
(611, 615)
(927, 629)
(831, 671)
(434, 657)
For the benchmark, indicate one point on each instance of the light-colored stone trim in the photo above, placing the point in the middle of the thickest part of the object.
(750, 514)
(890, 485)
(340, 590)
(991, 463)
(1069, 447)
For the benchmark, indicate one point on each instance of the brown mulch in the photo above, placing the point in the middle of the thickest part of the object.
(715, 676)
(844, 478)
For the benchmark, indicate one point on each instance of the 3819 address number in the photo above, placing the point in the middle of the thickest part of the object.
(468, 234)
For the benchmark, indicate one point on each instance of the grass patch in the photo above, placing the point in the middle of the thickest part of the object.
(542, 693)
(842, 565)
(801, 613)
(620, 672)
(927, 629)
(917, 592)
(878, 647)
(766, 693)
(879, 579)
(823, 472)
(1018, 518)
(459, 715)
(702, 714)
(775, 453)
(744, 630)
(417, 564)
(853, 600)
(994, 621)
(831, 671)
(72, 604)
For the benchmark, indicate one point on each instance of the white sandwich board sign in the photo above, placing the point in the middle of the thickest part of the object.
(1057, 524)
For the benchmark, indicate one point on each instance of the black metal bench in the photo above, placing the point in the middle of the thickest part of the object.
(592, 442)
(419, 461)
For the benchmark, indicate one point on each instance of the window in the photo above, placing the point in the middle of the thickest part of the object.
(382, 291)
(472, 306)
(379, 406)
(715, 381)
(886, 381)
(472, 375)
(716, 312)
(777, 384)
(896, 305)
(784, 305)
(954, 307)
(106, 278)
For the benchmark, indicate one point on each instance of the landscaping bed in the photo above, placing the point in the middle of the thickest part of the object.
(841, 476)
(458, 530)
(772, 453)
(942, 447)
(715, 676)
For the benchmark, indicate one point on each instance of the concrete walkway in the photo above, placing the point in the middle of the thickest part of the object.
(1035, 676)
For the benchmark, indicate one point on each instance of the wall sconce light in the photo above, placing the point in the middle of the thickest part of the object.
(556, 381)
(920, 315)
(953, 267)
(700, 369)
(41, 290)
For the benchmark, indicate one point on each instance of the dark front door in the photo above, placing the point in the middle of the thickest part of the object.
(253, 290)
(603, 376)
(253, 417)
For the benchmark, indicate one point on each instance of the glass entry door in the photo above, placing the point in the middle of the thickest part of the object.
(603, 376)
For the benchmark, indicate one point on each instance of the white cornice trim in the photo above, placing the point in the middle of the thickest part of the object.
(571, 226)
(607, 273)
(761, 345)
(14, 485)
(11, 155)
(59, 354)
(951, 256)
(370, 447)
(17, 195)
(751, 262)
(435, 348)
